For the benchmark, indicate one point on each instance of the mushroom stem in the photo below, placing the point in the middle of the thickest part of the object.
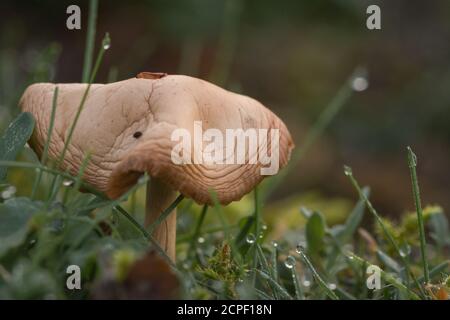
(159, 197)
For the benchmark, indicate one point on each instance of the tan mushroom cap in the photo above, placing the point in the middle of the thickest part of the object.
(154, 105)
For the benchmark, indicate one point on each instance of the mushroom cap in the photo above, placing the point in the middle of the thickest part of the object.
(152, 105)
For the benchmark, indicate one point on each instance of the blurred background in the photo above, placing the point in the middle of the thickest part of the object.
(293, 56)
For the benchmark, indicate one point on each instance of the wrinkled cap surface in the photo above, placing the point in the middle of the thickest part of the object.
(127, 127)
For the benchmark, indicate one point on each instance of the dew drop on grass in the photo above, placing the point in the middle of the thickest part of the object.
(306, 283)
(348, 171)
(8, 192)
(251, 238)
(405, 250)
(67, 183)
(274, 244)
(332, 286)
(360, 84)
(142, 179)
(106, 42)
(201, 240)
(289, 262)
(261, 234)
(264, 227)
(299, 248)
(186, 266)
(413, 159)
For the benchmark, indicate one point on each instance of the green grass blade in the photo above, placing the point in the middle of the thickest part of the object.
(349, 173)
(440, 268)
(165, 214)
(155, 244)
(227, 42)
(261, 257)
(90, 40)
(198, 226)
(299, 294)
(240, 238)
(386, 276)
(79, 177)
(351, 225)
(223, 221)
(105, 45)
(315, 234)
(282, 291)
(318, 278)
(55, 172)
(262, 295)
(257, 213)
(354, 219)
(37, 181)
(412, 163)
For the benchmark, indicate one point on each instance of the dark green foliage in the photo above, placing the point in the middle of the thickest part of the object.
(14, 139)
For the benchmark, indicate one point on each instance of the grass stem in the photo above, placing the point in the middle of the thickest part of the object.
(349, 173)
(105, 45)
(37, 181)
(90, 40)
(198, 226)
(318, 278)
(165, 214)
(412, 163)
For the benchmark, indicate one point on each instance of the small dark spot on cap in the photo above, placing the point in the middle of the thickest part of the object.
(137, 134)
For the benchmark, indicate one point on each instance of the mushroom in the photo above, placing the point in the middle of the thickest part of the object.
(128, 128)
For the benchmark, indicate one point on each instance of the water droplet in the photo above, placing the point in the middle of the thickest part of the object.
(201, 240)
(405, 250)
(360, 83)
(142, 179)
(186, 266)
(106, 42)
(68, 183)
(348, 171)
(8, 192)
(299, 248)
(306, 212)
(251, 238)
(289, 262)
(332, 286)
(261, 234)
(412, 158)
(306, 283)
(264, 227)
(274, 244)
